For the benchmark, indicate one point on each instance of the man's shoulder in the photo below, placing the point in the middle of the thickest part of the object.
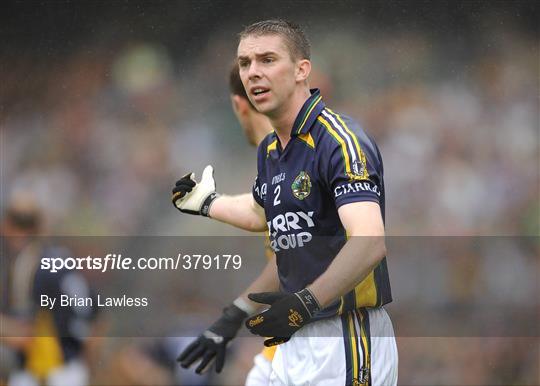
(341, 139)
(337, 130)
(267, 142)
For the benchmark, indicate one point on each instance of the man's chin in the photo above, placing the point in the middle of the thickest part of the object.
(261, 108)
(265, 109)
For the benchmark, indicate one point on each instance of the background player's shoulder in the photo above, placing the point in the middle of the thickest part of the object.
(267, 144)
(267, 140)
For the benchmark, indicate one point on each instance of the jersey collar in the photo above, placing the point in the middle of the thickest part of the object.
(308, 113)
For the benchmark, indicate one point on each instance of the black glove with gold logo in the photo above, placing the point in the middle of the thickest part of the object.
(286, 315)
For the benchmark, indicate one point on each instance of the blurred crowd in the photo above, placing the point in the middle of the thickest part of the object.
(100, 133)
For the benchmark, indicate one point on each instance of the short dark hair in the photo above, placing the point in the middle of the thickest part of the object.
(236, 87)
(24, 220)
(294, 37)
(235, 83)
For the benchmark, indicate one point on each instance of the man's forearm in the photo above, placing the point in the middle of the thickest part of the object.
(358, 257)
(267, 281)
(239, 211)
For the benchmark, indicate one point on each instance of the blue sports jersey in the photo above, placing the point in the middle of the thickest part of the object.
(329, 161)
(58, 334)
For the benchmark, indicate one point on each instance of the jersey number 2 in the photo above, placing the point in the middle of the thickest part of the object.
(277, 190)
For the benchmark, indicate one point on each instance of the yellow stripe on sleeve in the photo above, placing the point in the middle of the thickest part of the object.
(340, 140)
(359, 151)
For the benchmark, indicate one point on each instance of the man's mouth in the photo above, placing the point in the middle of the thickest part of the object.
(259, 91)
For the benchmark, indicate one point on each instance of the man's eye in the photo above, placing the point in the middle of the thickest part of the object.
(268, 60)
(243, 64)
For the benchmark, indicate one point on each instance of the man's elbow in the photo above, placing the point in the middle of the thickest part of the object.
(381, 248)
(256, 226)
(378, 250)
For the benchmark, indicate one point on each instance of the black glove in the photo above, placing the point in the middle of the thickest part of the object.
(191, 197)
(213, 342)
(286, 315)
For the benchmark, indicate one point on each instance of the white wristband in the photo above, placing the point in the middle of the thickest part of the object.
(244, 306)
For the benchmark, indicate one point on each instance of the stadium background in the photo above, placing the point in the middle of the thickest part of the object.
(104, 105)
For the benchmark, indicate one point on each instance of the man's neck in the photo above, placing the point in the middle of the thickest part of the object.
(283, 121)
(262, 127)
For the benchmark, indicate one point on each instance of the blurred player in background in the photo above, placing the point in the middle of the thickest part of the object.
(48, 345)
(213, 342)
(256, 126)
(320, 193)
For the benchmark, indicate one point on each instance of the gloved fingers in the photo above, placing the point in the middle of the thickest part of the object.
(254, 321)
(208, 175)
(188, 179)
(193, 356)
(220, 359)
(180, 192)
(182, 189)
(188, 350)
(177, 196)
(206, 361)
(189, 183)
(262, 324)
(264, 331)
(266, 297)
(275, 341)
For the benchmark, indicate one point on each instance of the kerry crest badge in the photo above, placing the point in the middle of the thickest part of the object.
(301, 186)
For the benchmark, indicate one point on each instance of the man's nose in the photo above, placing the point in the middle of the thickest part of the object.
(254, 70)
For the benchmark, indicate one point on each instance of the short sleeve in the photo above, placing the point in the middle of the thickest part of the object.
(354, 169)
(260, 185)
(259, 192)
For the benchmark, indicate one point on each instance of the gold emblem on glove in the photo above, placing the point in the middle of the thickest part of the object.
(258, 320)
(295, 318)
(275, 343)
(178, 195)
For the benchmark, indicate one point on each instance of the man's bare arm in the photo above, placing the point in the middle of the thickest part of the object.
(240, 211)
(267, 281)
(358, 257)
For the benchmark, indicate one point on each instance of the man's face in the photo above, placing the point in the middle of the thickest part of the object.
(267, 72)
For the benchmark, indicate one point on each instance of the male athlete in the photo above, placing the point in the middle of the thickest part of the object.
(320, 193)
(49, 341)
(213, 342)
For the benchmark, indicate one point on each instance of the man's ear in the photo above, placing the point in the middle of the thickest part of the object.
(240, 105)
(303, 69)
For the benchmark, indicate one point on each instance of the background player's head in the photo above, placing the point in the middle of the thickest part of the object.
(274, 64)
(256, 125)
(22, 219)
(22, 215)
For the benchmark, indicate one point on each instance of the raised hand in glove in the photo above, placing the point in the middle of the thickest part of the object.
(286, 315)
(191, 197)
(212, 343)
